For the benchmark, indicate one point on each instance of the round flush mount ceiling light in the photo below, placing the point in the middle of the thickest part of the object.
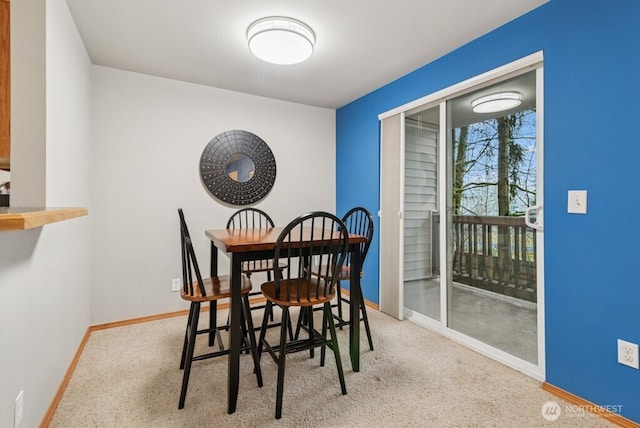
(496, 102)
(281, 40)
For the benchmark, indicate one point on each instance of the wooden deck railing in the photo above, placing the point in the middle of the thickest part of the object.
(495, 253)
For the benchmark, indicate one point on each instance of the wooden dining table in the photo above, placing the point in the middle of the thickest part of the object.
(242, 245)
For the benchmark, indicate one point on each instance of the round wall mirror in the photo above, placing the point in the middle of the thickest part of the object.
(238, 167)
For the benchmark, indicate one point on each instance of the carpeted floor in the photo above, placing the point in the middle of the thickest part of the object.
(129, 377)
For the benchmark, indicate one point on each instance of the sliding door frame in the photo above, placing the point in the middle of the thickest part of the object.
(391, 224)
(391, 197)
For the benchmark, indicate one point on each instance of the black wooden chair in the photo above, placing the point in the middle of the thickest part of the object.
(254, 218)
(358, 221)
(294, 287)
(197, 290)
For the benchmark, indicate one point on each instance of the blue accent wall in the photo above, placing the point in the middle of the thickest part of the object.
(591, 141)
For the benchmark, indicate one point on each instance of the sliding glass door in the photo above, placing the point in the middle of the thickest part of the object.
(421, 267)
(492, 294)
(470, 219)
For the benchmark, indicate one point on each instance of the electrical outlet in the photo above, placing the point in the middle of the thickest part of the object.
(18, 410)
(175, 284)
(628, 354)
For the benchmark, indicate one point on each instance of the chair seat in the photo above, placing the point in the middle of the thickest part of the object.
(216, 288)
(298, 287)
(344, 275)
(251, 266)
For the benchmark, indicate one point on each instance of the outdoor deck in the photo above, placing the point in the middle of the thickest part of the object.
(496, 254)
(506, 323)
(493, 294)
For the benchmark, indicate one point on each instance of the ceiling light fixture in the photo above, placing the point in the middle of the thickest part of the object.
(281, 40)
(496, 102)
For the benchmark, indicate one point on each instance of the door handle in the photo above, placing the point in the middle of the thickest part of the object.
(537, 210)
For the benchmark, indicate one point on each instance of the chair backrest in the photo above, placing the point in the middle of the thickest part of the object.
(249, 218)
(190, 267)
(359, 221)
(294, 246)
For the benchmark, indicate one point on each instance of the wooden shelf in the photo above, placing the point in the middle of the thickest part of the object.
(28, 218)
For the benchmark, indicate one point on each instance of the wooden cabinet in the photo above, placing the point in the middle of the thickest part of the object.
(5, 84)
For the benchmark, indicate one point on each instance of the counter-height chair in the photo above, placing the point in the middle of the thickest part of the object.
(317, 235)
(254, 218)
(198, 290)
(359, 221)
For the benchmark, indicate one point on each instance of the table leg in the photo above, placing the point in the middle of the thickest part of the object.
(354, 308)
(235, 334)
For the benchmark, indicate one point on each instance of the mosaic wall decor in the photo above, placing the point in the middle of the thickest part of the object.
(238, 167)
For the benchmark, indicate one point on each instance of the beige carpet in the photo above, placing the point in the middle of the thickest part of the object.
(129, 377)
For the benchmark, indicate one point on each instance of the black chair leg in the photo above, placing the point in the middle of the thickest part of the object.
(243, 325)
(335, 348)
(310, 324)
(325, 322)
(282, 357)
(301, 315)
(252, 340)
(193, 331)
(213, 323)
(265, 321)
(339, 293)
(365, 319)
(269, 279)
(363, 308)
(289, 328)
(302, 320)
(186, 338)
(220, 344)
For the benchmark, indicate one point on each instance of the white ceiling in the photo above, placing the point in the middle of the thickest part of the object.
(361, 44)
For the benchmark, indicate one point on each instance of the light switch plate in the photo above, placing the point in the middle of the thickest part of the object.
(577, 202)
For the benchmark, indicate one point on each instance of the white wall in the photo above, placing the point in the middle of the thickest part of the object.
(148, 136)
(44, 272)
(68, 103)
(126, 146)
